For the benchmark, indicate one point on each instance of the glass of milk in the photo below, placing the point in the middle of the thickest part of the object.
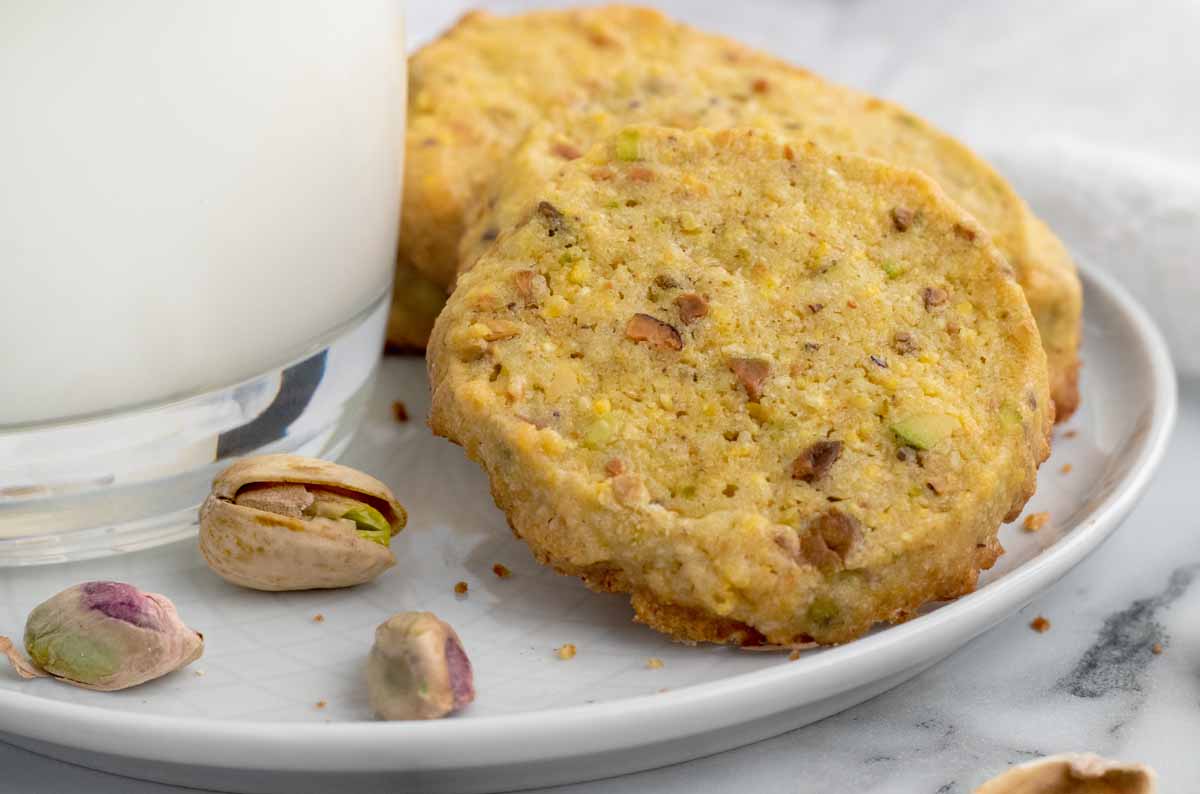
(199, 202)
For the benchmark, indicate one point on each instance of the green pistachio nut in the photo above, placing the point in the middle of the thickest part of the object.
(371, 524)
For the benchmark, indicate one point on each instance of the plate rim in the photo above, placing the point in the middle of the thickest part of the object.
(370, 746)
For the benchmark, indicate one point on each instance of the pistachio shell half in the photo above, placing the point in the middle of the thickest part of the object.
(1073, 773)
(286, 522)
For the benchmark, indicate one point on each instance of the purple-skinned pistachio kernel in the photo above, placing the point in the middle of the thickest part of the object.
(108, 636)
(121, 601)
(462, 680)
(418, 669)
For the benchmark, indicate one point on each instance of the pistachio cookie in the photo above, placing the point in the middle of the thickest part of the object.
(476, 91)
(416, 302)
(775, 394)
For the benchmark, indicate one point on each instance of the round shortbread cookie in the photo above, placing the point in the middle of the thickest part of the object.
(774, 393)
(476, 91)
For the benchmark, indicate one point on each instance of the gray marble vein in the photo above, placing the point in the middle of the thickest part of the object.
(1124, 648)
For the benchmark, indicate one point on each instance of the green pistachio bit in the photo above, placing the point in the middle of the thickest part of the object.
(822, 610)
(1010, 414)
(372, 525)
(73, 656)
(598, 433)
(690, 223)
(627, 145)
(893, 269)
(381, 536)
(924, 431)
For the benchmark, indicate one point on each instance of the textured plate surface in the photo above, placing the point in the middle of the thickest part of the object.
(251, 704)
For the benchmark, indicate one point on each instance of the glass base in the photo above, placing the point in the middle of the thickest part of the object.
(134, 479)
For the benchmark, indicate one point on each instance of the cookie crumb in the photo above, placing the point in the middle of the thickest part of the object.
(460, 588)
(501, 570)
(1035, 521)
(566, 652)
(1156, 649)
(199, 673)
(321, 704)
(318, 618)
(1066, 469)
(794, 655)
(1040, 625)
(399, 411)
(1070, 434)
(654, 663)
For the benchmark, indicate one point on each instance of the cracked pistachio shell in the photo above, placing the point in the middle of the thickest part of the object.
(1073, 773)
(108, 636)
(417, 669)
(266, 550)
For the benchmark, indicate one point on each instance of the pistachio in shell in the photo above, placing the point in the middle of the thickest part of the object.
(418, 669)
(286, 522)
(105, 636)
(1073, 773)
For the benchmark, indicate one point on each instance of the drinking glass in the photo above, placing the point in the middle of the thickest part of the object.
(199, 202)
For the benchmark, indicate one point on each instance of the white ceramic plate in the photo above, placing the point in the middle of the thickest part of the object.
(538, 720)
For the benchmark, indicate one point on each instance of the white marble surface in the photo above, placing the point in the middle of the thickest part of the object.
(1116, 76)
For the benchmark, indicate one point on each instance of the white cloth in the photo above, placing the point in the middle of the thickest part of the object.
(1092, 109)
(1133, 214)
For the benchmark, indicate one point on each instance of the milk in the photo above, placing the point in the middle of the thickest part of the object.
(191, 191)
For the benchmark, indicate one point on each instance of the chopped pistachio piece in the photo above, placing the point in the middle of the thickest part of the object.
(924, 431)
(1010, 414)
(598, 433)
(822, 610)
(627, 145)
